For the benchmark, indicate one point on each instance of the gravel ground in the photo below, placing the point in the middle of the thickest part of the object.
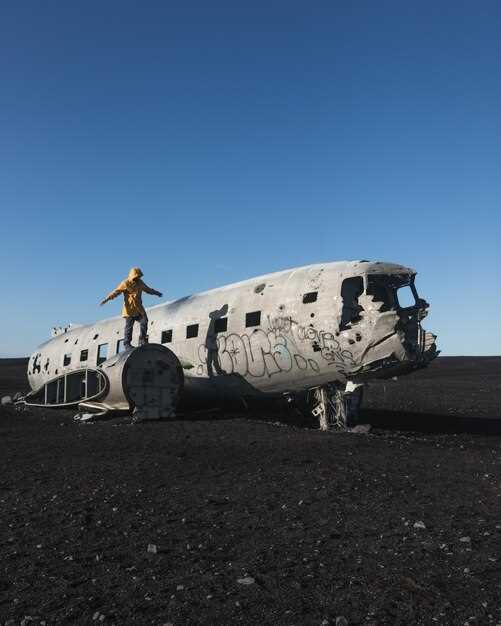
(246, 519)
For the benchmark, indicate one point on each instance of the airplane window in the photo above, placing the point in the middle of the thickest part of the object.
(60, 390)
(191, 331)
(382, 288)
(253, 319)
(75, 386)
(67, 359)
(102, 353)
(405, 297)
(52, 392)
(351, 289)
(220, 324)
(120, 346)
(310, 297)
(166, 336)
(84, 355)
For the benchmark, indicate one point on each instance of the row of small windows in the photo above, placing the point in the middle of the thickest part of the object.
(102, 354)
(220, 326)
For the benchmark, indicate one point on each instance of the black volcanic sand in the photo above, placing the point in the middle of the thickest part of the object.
(401, 526)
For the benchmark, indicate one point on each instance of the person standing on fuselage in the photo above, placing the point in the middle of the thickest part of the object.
(133, 311)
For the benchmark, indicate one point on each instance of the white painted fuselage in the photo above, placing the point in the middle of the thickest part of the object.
(278, 333)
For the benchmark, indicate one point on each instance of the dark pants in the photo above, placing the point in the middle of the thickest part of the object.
(129, 324)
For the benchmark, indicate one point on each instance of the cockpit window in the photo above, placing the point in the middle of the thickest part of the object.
(394, 291)
(351, 289)
(405, 297)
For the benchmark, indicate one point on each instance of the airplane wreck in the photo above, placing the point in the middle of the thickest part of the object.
(318, 332)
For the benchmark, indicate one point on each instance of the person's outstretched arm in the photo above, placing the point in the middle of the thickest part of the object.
(151, 291)
(116, 292)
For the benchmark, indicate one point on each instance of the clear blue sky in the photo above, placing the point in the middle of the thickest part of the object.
(208, 142)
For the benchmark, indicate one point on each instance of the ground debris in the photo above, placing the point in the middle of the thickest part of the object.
(361, 429)
(246, 580)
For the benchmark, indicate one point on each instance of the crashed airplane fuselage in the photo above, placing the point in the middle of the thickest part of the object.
(306, 328)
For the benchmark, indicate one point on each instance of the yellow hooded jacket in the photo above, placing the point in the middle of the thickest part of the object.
(132, 290)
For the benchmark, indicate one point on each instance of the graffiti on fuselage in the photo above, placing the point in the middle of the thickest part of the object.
(36, 364)
(280, 324)
(256, 354)
(329, 347)
(273, 351)
(321, 340)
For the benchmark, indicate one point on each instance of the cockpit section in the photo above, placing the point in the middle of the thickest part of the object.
(386, 311)
(392, 292)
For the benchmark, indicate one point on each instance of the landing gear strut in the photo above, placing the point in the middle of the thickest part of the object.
(336, 408)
